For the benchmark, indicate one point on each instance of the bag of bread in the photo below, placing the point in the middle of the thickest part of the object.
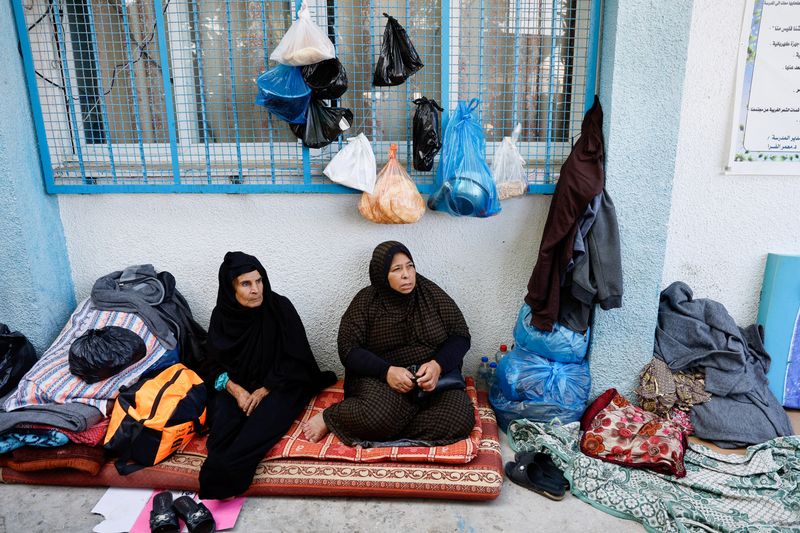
(304, 43)
(395, 198)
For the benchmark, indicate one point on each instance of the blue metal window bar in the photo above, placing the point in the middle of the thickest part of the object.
(158, 95)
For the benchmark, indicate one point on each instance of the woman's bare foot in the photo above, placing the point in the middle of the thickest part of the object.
(315, 428)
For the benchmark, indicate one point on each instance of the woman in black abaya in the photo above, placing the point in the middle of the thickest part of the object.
(263, 370)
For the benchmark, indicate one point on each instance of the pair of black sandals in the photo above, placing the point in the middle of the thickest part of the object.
(165, 513)
(536, 471)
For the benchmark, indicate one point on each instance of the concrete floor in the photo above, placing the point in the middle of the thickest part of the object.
(31, 509)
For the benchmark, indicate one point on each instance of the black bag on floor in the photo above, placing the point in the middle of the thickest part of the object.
(323, 124)
(327, 79)
(427, 134)
(17, 356)
(101, 353)
(398, 58)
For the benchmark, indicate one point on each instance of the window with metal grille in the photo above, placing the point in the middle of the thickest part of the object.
(159, 95)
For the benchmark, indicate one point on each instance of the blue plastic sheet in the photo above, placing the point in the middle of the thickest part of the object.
(530, 386)
(464, 183)
(562, 344)
(284, 93)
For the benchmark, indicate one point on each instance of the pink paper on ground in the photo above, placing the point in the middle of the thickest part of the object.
(225, 512)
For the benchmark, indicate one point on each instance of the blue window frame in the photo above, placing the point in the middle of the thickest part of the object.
(158, 95)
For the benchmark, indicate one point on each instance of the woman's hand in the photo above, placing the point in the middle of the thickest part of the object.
(428, 375)
(255, 399)
(400, 379)
(239, 394)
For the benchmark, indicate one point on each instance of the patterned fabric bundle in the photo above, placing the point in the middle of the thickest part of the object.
(618, 432)
(660, 390)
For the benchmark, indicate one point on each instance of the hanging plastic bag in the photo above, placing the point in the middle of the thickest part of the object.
(327, 79)
(398, 58)
(508, 167)
(354, 166)
(284, 93)
(532, 387)
(426, 133)
(323, 124)
(395, 199)
(464, 185)
(304, 43)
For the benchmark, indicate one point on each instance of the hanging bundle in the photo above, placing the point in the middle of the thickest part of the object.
(323, 124)
(426, 133)
(284, 93)
(464, 184)
(304, 43)
(354, 165)
(395, 199)
(398, 58)
(508, 167)
(327, 79)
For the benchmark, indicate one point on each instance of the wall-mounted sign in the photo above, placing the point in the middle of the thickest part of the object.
(765, 137)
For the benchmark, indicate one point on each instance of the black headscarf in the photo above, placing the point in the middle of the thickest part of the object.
(262, 346)
(403, 329)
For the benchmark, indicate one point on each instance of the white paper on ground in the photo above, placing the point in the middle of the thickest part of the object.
(120, 507)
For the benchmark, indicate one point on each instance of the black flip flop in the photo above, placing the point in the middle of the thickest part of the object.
(530, 476)
(546, 463)
(197, 517)
(163, 518)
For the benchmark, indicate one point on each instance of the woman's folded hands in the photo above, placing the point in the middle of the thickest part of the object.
(247, 401)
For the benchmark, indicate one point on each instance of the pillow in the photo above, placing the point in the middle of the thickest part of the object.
(621, 433)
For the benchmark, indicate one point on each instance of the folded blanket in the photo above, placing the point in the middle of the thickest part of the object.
(70, 416)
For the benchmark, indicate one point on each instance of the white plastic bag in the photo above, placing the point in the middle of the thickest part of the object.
(354, 166)
(304, 43)
(508, 167)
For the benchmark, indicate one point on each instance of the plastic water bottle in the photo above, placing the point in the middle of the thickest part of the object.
(492, 376)
(502, 352)
(483, 372)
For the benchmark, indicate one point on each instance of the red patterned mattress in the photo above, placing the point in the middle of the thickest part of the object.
(480, 479)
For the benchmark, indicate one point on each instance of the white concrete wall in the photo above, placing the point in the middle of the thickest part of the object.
(722, 227)
(315, 248)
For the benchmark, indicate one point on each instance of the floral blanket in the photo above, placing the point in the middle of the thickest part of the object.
(756, 492)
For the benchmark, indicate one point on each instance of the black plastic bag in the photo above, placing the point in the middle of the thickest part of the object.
(101, 353)
(17, 356)
(323, 124)
(327, 79)
(427, 134)
(398, 58)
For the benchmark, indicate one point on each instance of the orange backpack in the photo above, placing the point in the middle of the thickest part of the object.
(155, 417)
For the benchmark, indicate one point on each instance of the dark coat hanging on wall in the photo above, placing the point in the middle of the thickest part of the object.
(581, 179)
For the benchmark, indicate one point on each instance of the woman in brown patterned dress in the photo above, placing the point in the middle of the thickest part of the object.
(401, 319)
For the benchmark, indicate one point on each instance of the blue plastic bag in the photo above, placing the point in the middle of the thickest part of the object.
(532, 387)
(464, 184)
(562, 344)
(284, 93)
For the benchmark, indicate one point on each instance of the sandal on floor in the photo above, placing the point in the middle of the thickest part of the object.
(197, 517)
(546, 463)
(163, 518)
(531, 476)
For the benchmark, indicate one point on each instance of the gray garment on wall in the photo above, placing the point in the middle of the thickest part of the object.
(137, 289)
(584, 225)
(700, 333)
(597, 275)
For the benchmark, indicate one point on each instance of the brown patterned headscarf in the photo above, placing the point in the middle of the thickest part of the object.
(404, 329)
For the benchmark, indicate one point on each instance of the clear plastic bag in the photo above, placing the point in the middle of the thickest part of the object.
(508, 167)
(323, 124)
(354, 165)
(426, 133)
(532, 387)
(284, 93)
(327, 80)
(395, 199)
(398, 58)
(304, 43)
(464, 185)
